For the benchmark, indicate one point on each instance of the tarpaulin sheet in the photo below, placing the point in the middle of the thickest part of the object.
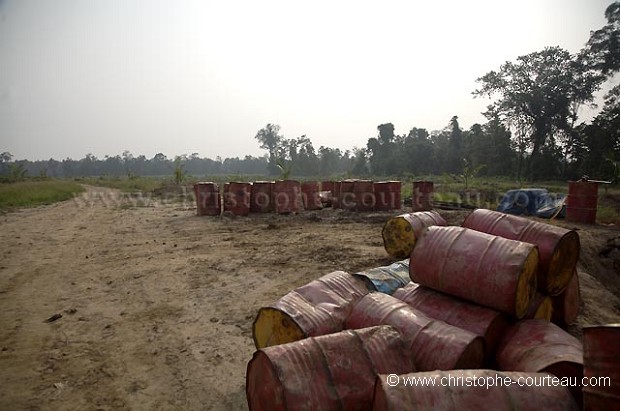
(534, 202)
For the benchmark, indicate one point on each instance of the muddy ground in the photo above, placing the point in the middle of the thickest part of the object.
(157, 303)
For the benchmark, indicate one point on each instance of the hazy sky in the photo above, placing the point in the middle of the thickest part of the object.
(180, 77)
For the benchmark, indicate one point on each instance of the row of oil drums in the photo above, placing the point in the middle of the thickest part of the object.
(291, 196)
(463, 307)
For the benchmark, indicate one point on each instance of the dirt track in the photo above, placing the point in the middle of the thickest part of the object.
(157, 303)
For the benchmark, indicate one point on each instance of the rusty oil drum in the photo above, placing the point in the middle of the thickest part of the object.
(582, 201)
(484, 322)
(208, 200)
(422, 196)
(364, 195)
(336, 195)
(482, 268)
(317, 308)
(287, 196)
(387, 195)
(541, 346)
(558, 247)
(261, 198)
(458, 390)
(566, 305)
(433, 343)
(237, 198)
(400, 233)
(311, 195)
(346, 195)
(601, 360)
(331, 372)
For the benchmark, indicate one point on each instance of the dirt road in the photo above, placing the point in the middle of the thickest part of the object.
(157, 304)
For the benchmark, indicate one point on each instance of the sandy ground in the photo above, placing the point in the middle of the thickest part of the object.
(157, 304)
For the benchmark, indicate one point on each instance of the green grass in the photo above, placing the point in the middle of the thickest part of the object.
(34, 193)
(129, 185)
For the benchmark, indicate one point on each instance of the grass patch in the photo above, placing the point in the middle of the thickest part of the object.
(126, 184)
(34, 193)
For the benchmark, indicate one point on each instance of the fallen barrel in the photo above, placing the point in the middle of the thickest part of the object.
(400, 233)
(317, 308)
(433, 343)
(331, 372)
(457, 390)
(558, 247)
(486, 269)
(566, 305)
(541, 346)
(482, 321)
(601, 361)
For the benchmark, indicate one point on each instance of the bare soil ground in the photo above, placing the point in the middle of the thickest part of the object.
(157, 303)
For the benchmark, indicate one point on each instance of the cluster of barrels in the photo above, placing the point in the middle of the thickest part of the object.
(292, 196)
(463, 305)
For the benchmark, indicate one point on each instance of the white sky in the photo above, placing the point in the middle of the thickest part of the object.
(179, 77)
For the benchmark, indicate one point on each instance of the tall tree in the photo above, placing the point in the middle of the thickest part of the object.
(270, 140)
(540, 93)
(455, 154)
(602, 51)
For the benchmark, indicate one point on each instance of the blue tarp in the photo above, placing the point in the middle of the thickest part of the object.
(390, 278)
(534, 202)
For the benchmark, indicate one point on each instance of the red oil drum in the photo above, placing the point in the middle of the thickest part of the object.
(328, 186)
(400, 233)
(287, 196)
(330, 372)
(387, 195)
(327, 193)
(433, 344)
(566, 305)
(458, 390)
(336, 195)
(558, 247)
(485, 269)
(541, 346)
(422, 196)
(364, 195)
(208, 201)
(311, 195)
(317, 308)
(582, 201)
(601, 361)
(484, 322)
(261, 199)
(346, 195)
(237, 198)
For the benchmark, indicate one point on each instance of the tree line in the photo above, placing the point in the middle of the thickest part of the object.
(532, 129)
(532, 132)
